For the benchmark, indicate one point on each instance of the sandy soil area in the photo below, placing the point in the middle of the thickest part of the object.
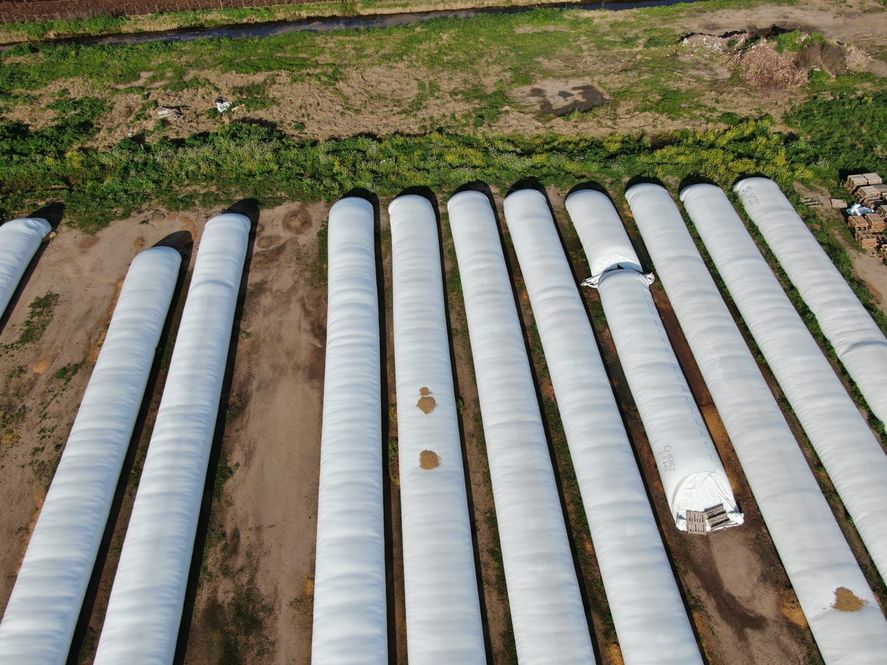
(252, 596)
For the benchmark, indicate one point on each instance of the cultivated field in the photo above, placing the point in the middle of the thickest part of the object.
(564, 96)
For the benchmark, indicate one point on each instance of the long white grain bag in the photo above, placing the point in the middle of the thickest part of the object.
(648, 613)
(692, 473)
(804, 531)
(19, 241)
(350, 620)
(145, 607)
(837, 431)
(858, 341)
(546, 608)
(442, 606)
(48, 594)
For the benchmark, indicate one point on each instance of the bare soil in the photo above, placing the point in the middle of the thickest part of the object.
(562, 97)
(369, 99)
(254, 600)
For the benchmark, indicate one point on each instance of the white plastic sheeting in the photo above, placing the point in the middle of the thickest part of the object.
(145, 607)
(19, 241)
(858, 341)
(837, 431)
(546, 608)
(807, 537)
(442, 606)
(692, 474)
(648, 613)
(45, 603)
(350, 620)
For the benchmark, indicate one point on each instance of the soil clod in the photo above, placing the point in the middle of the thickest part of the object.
(428, 459)
(847, 601)
(426, 402)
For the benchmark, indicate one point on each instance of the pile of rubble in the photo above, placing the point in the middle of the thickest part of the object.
(867, 218)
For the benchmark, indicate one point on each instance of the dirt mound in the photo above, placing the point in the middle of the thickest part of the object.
(777, 59)
(766, 68)
(724, 43)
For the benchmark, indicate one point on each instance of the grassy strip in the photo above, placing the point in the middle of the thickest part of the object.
(510, 43)
(252, 159)
(29, 31)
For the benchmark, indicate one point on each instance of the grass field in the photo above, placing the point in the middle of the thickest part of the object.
(383, 109)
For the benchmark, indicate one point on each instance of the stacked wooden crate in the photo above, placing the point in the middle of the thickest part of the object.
(871, 195)
(856, 181)
(868, 229)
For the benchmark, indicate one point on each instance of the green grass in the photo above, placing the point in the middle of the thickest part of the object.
(39, 315)
(224, 472)
(68, 372)
(841, 132)
(795, 40)
(12, 414)
(251, 159)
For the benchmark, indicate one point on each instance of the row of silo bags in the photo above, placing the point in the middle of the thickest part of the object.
(550, 626)
(144, 612)
(442, 606)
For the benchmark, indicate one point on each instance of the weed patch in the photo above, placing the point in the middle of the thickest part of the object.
(39, 315)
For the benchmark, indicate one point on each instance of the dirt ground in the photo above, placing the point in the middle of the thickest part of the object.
(375, 98)
(254, 579)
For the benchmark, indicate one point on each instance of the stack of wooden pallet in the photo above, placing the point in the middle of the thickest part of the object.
(868, 228)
